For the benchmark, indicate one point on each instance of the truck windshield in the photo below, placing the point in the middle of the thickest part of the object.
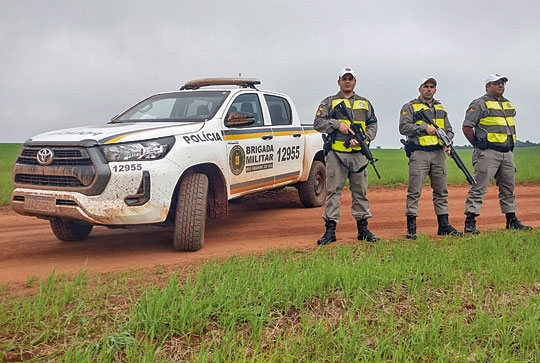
(175, 106)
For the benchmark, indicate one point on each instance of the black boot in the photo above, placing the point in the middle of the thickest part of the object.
(445, 228)
(513, 223)
(470, 224)
(364, 234)
(411, 227)
(330, 234)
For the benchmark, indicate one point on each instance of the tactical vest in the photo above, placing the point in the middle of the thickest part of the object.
(497, 125)
(438, 119)
(359, 111)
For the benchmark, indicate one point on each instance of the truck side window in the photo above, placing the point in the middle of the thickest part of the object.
(249, 103)
(280, 110)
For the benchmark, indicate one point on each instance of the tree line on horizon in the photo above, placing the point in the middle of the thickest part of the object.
(518, 144)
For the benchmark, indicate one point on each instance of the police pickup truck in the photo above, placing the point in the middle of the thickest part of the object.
(175, 158)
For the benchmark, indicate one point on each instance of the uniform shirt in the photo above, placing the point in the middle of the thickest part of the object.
(478, 110)
(409, 128)
(328, 125)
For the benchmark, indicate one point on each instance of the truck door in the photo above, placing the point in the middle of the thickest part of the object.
(288, 140)
(250, 148)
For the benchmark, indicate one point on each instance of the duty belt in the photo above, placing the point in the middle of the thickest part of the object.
(348, 152)
(502, 149)
(414, 147)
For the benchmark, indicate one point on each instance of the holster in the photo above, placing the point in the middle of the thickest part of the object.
(328, 140)
(408, 147)
(482, 144)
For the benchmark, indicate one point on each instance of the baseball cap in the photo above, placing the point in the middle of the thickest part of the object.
(347, 70)
(429, 79)
(495, 78)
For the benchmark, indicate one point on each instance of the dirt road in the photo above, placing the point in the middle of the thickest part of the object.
(271, 220)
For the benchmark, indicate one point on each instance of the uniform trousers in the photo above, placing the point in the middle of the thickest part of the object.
(490, 164)
(423, 164)
(336, 175)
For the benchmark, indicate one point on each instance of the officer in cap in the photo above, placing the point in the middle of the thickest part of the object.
(427, 156)
(490, 127)
(344, 161)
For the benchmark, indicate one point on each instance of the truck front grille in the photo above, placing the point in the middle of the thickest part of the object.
(48, 180)
(62, 156)
(72, 168)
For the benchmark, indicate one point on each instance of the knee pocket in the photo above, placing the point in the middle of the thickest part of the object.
(414, 172)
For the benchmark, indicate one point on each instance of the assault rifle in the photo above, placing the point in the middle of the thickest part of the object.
(359, 136)
(441, 134)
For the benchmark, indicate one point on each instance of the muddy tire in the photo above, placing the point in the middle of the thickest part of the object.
(69, 230)
(191, 213)
(312, 192)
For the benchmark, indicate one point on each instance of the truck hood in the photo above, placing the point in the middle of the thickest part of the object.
(119, 132)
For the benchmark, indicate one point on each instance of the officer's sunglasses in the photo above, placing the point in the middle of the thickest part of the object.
(496, 83)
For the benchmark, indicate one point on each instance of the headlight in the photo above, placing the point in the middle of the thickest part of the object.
(143, 150)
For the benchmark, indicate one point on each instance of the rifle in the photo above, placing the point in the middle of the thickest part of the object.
(441, 134)
(359, 136)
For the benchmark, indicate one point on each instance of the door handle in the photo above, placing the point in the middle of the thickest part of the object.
(296, 135)
(267, 137)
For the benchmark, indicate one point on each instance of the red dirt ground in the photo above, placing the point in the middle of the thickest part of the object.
(271, 220)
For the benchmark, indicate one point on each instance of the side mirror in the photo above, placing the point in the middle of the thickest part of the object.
(240, 119)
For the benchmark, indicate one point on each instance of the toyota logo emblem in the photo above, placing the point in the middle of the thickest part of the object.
(45, 156)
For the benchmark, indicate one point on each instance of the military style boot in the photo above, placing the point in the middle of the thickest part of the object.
(330, 234)
(470, 224)
(445, 228)
(513, 223)
(411, 227)
(364, 234)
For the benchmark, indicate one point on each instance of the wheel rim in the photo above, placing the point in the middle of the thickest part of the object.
(318, 183)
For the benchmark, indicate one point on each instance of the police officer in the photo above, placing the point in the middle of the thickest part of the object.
(426, 156)
(489, 126)
(343, 161)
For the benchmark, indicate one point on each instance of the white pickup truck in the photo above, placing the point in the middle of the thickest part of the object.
(174, 158)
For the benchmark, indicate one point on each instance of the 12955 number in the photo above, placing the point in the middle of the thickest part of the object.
(126, 167)
(288, 153)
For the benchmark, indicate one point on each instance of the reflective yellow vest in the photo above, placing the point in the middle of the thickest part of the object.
(359, 111)
(440, 114)
(499, 122)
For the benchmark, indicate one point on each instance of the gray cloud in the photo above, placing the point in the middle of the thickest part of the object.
(68, 63)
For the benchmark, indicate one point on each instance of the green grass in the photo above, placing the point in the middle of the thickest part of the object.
(9, 154)
(451, 300)
(391, 164)
(393, 167)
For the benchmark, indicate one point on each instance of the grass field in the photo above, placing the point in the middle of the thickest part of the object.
(9, 154)
(472, 299)
(392, 165)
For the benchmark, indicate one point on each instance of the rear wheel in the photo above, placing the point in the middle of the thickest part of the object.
(70, 230)
(312, 192)
(191, 213)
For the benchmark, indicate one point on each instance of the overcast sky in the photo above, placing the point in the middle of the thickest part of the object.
(72, 63)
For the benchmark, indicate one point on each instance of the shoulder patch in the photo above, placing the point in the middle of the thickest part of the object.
(471, 109)
(319, 110)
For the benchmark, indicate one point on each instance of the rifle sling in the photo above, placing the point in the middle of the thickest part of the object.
(346, 167)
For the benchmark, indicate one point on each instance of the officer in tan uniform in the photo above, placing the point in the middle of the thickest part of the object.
(489, 126)
(427, 156)
(346, 162)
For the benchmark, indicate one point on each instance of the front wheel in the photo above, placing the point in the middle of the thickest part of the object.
(312, 192)
(191, 213)
(70, 230)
